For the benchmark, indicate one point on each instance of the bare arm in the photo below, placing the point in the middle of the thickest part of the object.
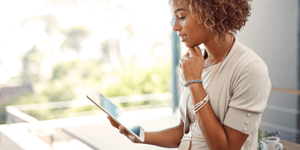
(166, 138)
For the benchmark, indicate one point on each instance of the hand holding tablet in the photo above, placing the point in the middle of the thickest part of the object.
(122, 130)
(126, 126)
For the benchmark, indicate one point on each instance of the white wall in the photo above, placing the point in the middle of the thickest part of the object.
(272, 32)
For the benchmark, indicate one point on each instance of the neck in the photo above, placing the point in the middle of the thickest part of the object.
(216, 54)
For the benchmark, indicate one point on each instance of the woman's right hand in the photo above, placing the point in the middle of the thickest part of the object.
(122, 130)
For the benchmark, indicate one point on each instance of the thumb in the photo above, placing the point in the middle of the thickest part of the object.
(192, 52)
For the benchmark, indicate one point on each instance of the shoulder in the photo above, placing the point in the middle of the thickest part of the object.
(246, 60)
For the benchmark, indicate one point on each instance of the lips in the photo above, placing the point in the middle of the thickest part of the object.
(183, 37)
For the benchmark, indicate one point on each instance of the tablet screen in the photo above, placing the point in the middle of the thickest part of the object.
(116, 112)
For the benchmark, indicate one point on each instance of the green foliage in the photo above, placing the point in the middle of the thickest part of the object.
(74, 36)
(58, 113)
(34, 55)
(2, 119)
(31, 61)
(67, 77)
(25, 98)
(262, 137)
(30, 99)
(78, 70)
(47, 114)
(60, 91)
(134, 81)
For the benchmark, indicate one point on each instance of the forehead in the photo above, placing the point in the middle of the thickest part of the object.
(179, 2)
(176, 4)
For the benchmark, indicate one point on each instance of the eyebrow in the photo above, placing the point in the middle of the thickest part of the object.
(178, 10)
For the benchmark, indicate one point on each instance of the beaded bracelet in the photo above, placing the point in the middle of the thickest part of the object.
(193, 81)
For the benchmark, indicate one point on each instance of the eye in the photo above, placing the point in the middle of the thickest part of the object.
(181, 18)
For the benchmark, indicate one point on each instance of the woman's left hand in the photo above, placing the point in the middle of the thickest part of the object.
(192, 64)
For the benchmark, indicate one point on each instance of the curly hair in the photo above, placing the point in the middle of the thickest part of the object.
(219, 16)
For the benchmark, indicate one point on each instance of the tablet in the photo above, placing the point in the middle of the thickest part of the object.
(116, 114)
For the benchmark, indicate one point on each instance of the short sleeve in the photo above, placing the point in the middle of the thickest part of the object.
(251, 91)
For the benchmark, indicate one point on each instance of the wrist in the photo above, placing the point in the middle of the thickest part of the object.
(196, 87)
(147, 138)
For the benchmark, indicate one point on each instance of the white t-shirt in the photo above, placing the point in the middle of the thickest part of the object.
(238, 96)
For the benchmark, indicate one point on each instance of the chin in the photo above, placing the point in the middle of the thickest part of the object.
(189, 45)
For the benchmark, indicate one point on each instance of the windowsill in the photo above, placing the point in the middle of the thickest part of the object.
(289, 145)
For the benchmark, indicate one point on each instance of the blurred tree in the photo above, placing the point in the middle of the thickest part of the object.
(130, 30)
(51, 26)
(111, 52)
(104, 49)
(110, 48)
(78, 70)
(134, 81)
(24, 98)
(74, 37)
(69, 76)
(31, 62)
(60, 90)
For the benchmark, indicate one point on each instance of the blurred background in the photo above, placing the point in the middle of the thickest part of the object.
(52, 52)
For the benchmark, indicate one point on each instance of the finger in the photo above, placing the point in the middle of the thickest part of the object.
(185, 57)
(180, 62)
(112, 122)
(192, 52)
(132, 138)
(187, 53)
(123, 131)
(198, 50)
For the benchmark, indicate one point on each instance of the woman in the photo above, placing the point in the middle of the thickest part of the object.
(222, 108)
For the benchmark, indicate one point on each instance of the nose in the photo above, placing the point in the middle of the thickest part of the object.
(176, 26)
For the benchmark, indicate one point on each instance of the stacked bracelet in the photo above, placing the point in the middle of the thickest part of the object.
(200, 104)
(193, 81)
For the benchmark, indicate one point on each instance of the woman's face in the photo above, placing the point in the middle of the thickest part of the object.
(189, 30)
